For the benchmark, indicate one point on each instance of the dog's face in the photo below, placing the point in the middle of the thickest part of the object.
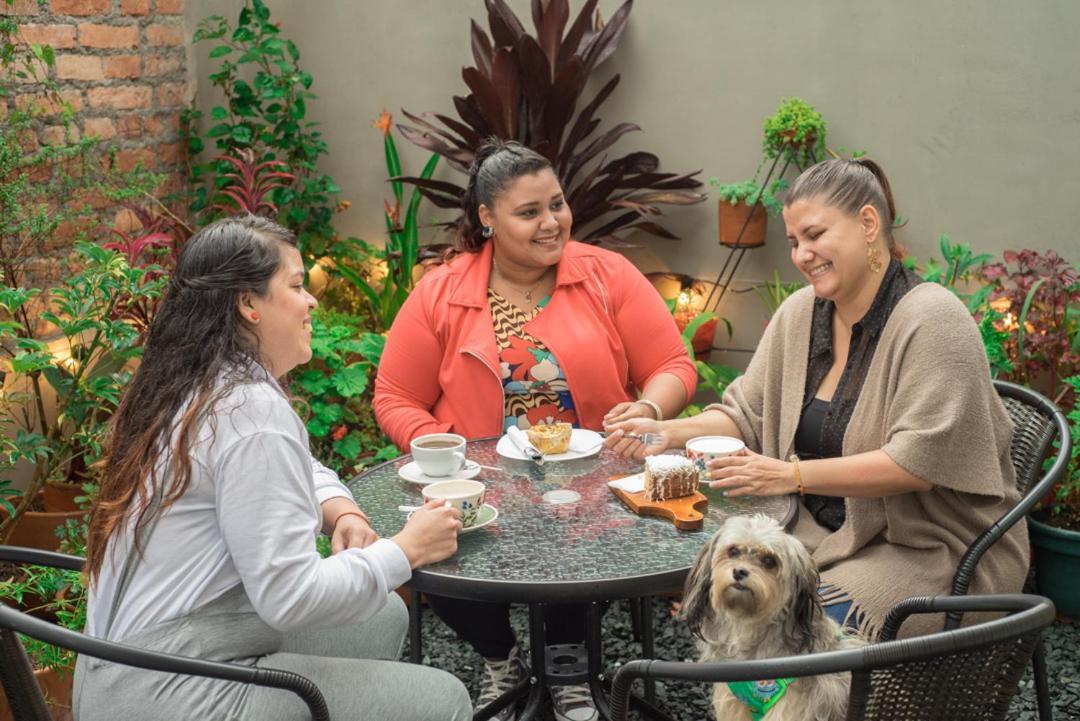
(752, 572)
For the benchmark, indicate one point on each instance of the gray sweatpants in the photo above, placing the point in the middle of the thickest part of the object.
(345, 663)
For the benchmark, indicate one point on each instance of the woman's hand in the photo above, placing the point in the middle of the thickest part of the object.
(751, 474)
(352, 531)
(617, 441)
(430, 535)
(628, 411)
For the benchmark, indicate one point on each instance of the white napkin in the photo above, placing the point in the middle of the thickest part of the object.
(630, 484)
(519, 439)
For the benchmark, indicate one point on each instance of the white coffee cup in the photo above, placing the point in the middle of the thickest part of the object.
(439, 454)
(466, 496)
(703, 449)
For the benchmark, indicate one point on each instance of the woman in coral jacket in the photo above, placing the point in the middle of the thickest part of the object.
(526, 326)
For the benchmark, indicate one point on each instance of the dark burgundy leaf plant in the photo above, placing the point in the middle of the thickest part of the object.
(527, 88)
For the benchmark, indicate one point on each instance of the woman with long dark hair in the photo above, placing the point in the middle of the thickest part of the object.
(202, 538)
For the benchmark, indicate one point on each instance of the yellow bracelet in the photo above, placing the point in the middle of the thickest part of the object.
(794, 459)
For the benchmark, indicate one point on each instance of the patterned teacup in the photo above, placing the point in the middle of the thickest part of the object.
(703, 449)
(466, 496)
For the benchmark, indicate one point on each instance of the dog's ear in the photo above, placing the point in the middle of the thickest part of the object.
(807, 608)
(696, 608)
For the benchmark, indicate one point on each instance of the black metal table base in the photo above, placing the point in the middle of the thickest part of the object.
(560, 665)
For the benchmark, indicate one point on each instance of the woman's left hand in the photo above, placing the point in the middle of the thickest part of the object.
(751, 474)
(352, 532)
(628, 411)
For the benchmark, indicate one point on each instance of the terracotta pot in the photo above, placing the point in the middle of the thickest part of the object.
(59, 496)
(702, 341)
(37, 529)
(732, 218)
(57, 690)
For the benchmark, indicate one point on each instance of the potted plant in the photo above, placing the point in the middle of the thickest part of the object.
(1055, 530)
(736, 200)
(797, 131)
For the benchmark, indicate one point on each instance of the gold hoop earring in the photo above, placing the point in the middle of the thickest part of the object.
(872, 260)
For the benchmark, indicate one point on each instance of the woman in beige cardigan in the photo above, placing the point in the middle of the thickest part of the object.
(870, 396)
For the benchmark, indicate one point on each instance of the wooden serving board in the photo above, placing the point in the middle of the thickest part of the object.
(685, 513)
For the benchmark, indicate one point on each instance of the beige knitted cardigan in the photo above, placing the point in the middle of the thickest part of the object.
(929, 404)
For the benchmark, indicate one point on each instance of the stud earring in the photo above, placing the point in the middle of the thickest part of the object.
(488, 231)
(255, 317)
(872, 260)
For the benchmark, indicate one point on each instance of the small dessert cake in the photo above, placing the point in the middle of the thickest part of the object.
(668, 476)
(550, 438)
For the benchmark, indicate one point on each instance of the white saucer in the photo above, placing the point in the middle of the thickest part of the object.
(486, 515)
(411, 472)
(590, 441)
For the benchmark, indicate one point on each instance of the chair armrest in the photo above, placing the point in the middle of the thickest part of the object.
(1029, 613)
(169, 663)
(966, 569)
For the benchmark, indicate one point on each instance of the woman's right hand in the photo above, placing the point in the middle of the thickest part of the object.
(430, 534)
(618, 443)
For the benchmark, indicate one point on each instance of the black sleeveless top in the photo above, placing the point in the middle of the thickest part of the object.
(822, 424)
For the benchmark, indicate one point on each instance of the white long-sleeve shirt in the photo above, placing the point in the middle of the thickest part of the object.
(250, 515)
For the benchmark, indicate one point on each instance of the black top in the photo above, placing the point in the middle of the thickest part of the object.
(822, 424)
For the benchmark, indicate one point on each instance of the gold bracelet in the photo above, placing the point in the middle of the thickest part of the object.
(794, 459)
(654, 405)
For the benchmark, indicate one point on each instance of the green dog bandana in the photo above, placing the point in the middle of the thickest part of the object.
(759, 696)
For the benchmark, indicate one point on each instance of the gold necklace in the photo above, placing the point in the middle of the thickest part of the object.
(527, 293)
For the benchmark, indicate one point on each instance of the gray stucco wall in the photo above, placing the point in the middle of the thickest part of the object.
(972, 107)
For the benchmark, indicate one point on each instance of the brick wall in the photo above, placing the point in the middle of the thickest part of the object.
(122, 65)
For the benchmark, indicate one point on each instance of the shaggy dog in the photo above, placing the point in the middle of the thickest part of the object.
(752, 594)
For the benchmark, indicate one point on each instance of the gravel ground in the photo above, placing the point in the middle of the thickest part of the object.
(690, 701)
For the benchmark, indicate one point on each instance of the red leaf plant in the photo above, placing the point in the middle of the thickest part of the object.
(157, 231)
(527, 88)
(1040, 296)
(247, 189)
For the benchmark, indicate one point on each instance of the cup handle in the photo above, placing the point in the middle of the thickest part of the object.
(461, 461)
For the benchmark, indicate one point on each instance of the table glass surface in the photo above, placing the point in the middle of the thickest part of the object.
(594, 539)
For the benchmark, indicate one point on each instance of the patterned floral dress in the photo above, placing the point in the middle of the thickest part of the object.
(534, 387)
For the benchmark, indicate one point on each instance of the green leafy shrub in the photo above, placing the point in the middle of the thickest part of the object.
(333, 393)
(266, 96)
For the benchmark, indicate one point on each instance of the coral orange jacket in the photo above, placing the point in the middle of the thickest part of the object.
(607, 325)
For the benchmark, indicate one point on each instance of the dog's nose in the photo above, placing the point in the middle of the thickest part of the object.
(739, 573)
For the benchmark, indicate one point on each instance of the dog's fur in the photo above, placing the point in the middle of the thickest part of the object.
(752, 594)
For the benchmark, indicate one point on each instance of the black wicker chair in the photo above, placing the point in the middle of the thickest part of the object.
(1037, 423)
(965, 674)
(25, 697)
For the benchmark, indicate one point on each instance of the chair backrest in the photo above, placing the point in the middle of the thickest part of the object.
(967, 674)
(1033, 417)
(24, 695)
(972, 681)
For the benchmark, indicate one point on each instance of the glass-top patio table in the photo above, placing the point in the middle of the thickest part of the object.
(589, 550)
